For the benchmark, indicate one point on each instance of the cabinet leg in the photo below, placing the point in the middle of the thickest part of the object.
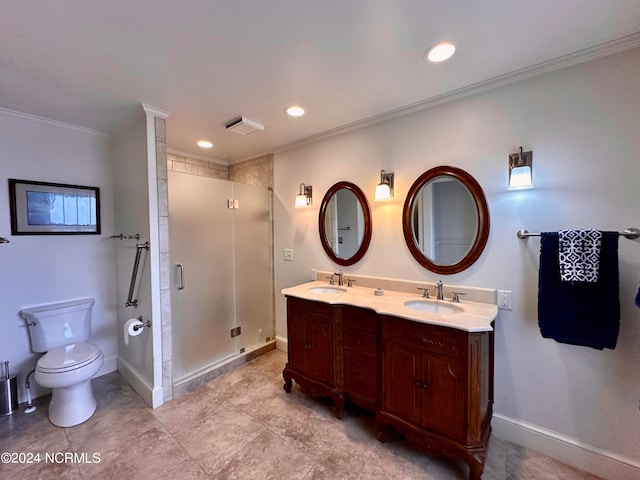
(288, 383)
(339, 401)
(383, 433)
(476, 467)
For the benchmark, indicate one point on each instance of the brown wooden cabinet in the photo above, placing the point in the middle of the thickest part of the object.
(315, 350)
(433, 384)
(437, 388)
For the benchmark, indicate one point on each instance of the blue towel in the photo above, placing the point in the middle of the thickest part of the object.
(579, 313)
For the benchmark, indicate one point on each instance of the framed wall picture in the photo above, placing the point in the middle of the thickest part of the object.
(41, 208)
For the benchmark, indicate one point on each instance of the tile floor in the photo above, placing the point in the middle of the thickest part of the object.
(241, 425)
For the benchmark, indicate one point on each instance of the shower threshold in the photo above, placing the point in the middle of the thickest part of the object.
(190, 382)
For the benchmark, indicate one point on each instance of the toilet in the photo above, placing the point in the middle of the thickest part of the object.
(61, 330)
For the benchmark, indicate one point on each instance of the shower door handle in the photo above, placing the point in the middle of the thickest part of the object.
(180, 270)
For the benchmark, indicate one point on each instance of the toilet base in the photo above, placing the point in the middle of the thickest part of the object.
(73, 405)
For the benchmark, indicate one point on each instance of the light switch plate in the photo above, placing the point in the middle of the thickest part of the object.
(288, 255)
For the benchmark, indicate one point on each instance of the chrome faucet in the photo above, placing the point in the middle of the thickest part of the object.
(425, 291)
(340, 277)
(440, 290)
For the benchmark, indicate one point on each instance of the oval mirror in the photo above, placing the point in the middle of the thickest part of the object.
(445, 220)
(345, 223)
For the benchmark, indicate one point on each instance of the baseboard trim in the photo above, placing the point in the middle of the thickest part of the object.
(109, 365)
(281, 343)
(152, 396)
(568, 450)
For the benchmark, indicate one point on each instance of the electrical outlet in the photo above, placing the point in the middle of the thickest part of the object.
(314, 274)
(288, 255)
(504, 300)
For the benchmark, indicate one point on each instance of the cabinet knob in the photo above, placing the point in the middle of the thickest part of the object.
(419, 384)
(308, 346)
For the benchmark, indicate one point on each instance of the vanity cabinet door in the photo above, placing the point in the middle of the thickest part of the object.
(402, 394)
(310, 337)
(320, 351)
(297, 344)
(442, 388)
(423, 388)
(314, 332)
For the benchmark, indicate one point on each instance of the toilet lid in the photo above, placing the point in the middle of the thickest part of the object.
(68, 358)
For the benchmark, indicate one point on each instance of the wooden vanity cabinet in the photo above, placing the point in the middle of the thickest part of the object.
(315, 350)
(437, 388)
(432, 384)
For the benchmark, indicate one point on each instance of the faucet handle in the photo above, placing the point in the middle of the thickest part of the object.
(425, 291)
(331, 280)
(350, 282)
(455, 297)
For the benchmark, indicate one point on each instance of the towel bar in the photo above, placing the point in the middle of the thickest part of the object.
(631, 233)
(122, 236)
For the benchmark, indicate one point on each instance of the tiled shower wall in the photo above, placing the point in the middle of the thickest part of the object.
(257, 171)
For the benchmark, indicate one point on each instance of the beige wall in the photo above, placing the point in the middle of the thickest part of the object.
(582, 124)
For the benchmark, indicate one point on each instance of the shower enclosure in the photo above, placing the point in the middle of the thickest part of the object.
(222, 271)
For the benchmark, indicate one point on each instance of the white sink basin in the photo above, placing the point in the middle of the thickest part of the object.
(327, 290)
(432, 307)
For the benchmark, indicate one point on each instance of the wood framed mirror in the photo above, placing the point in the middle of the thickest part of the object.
(445, 220)
(344, 223)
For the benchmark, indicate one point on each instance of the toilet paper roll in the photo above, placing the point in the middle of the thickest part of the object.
(130, 331)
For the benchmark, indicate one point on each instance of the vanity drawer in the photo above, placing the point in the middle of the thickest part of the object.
(360, 363)
(360, 318)
(434, 338)
(360, 341)
(360, 385)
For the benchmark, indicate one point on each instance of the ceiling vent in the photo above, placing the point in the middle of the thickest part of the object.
(243, 126)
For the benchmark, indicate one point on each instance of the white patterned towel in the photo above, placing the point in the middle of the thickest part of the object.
(579, 252)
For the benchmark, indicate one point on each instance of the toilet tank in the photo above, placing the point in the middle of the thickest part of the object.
(58, 324)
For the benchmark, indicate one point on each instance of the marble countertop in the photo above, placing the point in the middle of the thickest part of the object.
(469, 316)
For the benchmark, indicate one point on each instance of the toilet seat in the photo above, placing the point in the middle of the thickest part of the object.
(68, 358)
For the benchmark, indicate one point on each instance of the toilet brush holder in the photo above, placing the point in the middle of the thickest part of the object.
(8, 395)
(8, 392)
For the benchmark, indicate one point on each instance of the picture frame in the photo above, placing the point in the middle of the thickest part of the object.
(43, 208)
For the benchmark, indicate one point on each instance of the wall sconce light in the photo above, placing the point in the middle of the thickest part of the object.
(305, 197)
(384, 190)
(520, 170)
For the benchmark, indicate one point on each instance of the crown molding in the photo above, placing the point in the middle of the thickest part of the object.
(582, 56)
(156, 112)
(57, 123)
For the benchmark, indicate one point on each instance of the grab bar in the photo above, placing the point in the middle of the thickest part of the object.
(180, 268)
(130, 301)
(3, 240)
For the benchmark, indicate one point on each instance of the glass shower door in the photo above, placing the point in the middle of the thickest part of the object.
(202, 262)
(253, 264)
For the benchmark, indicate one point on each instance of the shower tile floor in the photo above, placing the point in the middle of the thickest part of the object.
(241, 425)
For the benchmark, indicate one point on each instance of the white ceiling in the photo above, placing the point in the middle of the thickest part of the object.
(92, 63)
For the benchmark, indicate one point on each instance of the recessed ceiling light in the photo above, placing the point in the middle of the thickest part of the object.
(295, 111)
(440, 52)
(205, 144)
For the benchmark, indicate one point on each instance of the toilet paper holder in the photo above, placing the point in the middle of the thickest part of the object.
(144, 324)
